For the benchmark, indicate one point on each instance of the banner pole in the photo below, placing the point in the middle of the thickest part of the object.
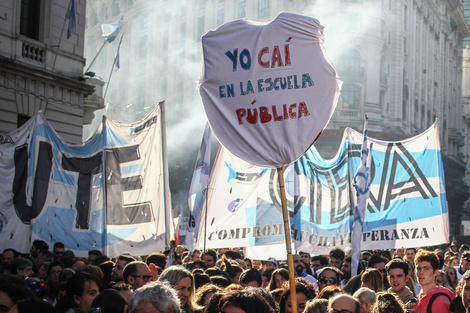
(290, 259)
(205, 217)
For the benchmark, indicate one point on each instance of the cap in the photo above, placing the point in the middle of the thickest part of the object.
(466, 255)
(272, 260)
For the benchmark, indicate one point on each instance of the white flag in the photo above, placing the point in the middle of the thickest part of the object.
(362, 181)
(198, 188)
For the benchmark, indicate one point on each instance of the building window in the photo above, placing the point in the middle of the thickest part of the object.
(350, 97)
(264, 7)
(220, 16)
(30, 18)
(242, 9)
(22, 119)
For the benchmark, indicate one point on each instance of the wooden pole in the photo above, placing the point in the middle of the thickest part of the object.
(290, 259)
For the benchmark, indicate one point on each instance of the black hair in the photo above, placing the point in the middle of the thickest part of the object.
(41, 245)
(376, 259)
(35, 306)
(110, 301)
(75, 287)
(337, 254)
(251, 275)
(323, 260)
(397, 263)
(59, 245)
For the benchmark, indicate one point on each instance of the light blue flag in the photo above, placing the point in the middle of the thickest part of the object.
(116, 63)
(72, 19)
(110, 31)
(362, 181)
(197, 191)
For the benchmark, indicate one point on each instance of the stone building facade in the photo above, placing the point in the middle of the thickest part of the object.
(40, 69)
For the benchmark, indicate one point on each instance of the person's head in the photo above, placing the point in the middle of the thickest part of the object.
(465, 293)
(78, 264)
(204, 294)
(159, 259)
(316, 306)
(304, 292)
(388, 303)
(318, 262)
(298, 265)
(378, 262)
(8, 255)
(54, 271)
(266, 278)
(305, 257)
(117, 272)
(124, 289)
(410, 253)
(344, 303)
(251, 277)
(209, 257)
(110, 301)
(441, 279)
(196, 255)
(451, 275)
(81, 290)
(336, 258)
(465, 261)
(397, 273)
(155, 297)
(427, 268)
(400, 253)
(371, 278)
(232, 269)
(21, 267)
(182, 281)
(44, 256)
(38, 245)
(454, 261)
(136, 274)
(32, 306)
(243, 301)
(271, 264)
(366, 297)
(328, 276)
(278, 278)
(329, 292)
(58, 249)
(346, 268)
(12, 293)
(93, 255)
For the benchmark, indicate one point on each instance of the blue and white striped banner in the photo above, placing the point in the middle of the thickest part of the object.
(406, 208)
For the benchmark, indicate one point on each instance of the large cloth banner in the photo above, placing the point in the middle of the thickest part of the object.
(107, 194)
(268, 89)
(406, 208)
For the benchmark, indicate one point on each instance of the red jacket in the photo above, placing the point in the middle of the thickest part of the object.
(441, 303)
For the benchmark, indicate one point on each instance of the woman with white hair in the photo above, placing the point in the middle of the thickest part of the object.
(155, 297)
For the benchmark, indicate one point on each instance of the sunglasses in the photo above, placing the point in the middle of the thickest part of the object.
(145, 278)
(324, 280)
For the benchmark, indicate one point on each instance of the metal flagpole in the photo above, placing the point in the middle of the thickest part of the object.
(290, 259)
(94, 59)
(112, 68)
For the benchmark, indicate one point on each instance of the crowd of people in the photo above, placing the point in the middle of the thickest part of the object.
(223, 280)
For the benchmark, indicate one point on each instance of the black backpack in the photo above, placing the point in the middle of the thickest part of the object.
(433, 297)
